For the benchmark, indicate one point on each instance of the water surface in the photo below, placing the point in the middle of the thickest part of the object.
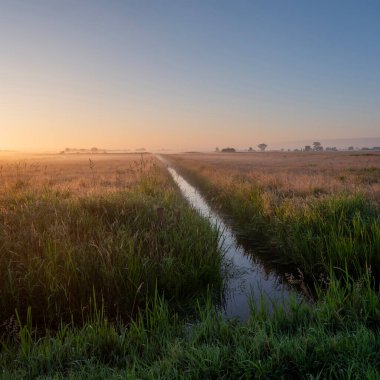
(247, 280)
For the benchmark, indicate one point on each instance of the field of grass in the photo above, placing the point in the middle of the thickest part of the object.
(337, 338)
(111, 231)
(106, 272)
(317, 210)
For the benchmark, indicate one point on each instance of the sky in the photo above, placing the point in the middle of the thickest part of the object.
(121, 74)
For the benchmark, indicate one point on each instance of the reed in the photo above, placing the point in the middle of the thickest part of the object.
(59, 249)
(113, 275)
(338, 337)
(315, 232)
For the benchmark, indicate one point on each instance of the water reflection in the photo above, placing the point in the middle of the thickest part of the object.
(247, 279)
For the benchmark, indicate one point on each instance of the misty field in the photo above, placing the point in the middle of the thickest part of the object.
(112, 231)
(107, 272)
(317, 210)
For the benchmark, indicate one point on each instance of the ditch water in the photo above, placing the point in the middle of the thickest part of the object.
(248, 279)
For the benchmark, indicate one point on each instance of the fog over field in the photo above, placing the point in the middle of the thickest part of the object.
(189, 189)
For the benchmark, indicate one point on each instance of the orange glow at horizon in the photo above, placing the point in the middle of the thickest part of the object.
(194, 76)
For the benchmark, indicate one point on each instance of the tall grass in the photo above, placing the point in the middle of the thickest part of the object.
(316, 233)
(336, 338)
(95, 282)
(342, 232)
(58, 250)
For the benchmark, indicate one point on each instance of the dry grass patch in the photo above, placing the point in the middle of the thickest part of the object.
(319, 210)
(294, 174)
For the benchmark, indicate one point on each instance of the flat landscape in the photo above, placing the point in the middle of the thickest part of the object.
(108, 272)
(189, 190)
(314, 208)
(300, 172)
(80, 230)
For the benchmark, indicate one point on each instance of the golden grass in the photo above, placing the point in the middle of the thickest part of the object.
(77, 174)
(318, 209)
(294, 174)
(108, 227)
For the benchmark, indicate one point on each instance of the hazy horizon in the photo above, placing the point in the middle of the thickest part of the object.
(187, 75)
(340, 144)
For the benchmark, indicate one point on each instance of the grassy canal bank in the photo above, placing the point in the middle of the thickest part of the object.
(113, 275)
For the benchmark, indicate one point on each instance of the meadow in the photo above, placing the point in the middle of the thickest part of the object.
(319, 211)
(111, 231)
(106, 271)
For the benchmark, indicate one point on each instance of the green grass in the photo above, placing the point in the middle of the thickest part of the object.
(340, 232)
(336, 338)
(316, 233)
(120, 285)
(57, 250)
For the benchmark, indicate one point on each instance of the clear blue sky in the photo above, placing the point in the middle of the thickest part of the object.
(187, 74)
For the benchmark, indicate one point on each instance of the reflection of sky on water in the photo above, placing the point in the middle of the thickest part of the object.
(246, 277)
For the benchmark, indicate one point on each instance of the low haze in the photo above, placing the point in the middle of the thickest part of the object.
(187, 75)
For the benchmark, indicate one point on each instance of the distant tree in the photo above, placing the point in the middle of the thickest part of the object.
(94, 150)
(307, 148)
(350, 148)
(250, 149)
(217, 149)
(317, 146)
(229, 150)
(262, 146)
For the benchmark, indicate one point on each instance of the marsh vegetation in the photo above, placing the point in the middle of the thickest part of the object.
(107, 272)
(319, 211)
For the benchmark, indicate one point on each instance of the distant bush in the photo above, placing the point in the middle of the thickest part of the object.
(262, 147)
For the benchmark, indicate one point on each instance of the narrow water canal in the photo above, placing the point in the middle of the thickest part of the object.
(247, 280)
